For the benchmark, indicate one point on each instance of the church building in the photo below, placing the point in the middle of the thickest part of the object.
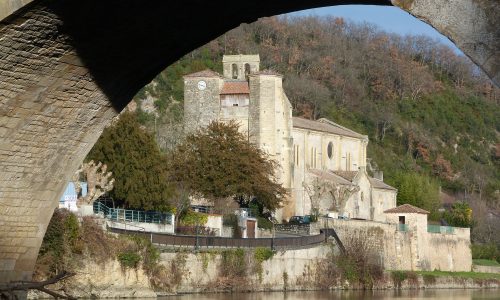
(323, 164)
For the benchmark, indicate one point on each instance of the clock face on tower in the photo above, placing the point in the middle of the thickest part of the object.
(202, 85)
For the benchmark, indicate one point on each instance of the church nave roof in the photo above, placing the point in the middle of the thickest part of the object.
(325, 125)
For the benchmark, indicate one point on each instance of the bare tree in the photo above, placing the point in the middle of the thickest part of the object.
(317, 189)
(99, 181)
(339, 193)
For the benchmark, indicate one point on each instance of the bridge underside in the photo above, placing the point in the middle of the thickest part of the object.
(68, 67)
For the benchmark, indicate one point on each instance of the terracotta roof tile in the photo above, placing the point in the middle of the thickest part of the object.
(379, 184)
(204, 73)
(406, 209)
(235, 87)
(325, 125)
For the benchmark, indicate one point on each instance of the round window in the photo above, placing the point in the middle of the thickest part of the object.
(329, 150)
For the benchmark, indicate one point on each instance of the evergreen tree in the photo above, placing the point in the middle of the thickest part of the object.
(417, 190)
(218, 162)
(139, 169)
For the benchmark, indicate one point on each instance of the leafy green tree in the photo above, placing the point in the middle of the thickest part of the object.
(218, 162)
(139, 169)
(460, 215)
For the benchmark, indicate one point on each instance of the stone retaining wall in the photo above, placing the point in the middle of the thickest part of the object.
(411, 249)
(486, 269)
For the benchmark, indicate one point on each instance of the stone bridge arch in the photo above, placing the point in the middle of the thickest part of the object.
(68, 67)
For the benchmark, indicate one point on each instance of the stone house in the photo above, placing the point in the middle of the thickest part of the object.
(432, 247)
(322, 164)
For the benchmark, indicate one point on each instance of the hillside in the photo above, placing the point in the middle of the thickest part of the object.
(432, 118)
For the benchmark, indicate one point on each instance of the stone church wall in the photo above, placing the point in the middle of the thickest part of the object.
(382, 200)
(269, 123)
(201, 106)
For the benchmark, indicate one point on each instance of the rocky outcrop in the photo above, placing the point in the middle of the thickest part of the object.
(103, 280)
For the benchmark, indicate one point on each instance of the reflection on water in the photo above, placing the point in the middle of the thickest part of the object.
(456, 294)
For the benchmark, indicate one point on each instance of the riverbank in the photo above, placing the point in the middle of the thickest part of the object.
(124, 266)
(238, 270)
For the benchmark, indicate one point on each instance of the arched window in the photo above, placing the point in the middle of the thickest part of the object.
(329, 150)
(247, 70)
(235, 71)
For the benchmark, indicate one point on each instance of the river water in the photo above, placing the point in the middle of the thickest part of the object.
(455, 294)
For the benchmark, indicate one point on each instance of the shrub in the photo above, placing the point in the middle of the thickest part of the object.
(233, 263)
(358, 265)
(398, 277)
(72, 233)
(264, 223)
(149, 253)
(62, 239)
(129, 259)
(486, 251)
(99, 245)
(460, 215)
(192, 218)
(262, 254)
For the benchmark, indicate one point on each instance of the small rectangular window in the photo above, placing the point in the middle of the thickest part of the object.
(235, 104)
(296, 154)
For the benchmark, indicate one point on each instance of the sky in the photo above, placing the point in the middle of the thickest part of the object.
(388, 18)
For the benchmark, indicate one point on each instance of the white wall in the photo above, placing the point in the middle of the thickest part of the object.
(148, 227)
(215, 222)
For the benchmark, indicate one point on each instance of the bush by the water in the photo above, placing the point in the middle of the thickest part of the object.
(486, 251)
(68, 239)
(358, 266)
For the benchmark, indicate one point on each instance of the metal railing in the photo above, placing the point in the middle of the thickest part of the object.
(128, 215)
(209, 242)
(440, 229)
(402, 227)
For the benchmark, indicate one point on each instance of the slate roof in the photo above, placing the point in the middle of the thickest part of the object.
(204, 73)
(379, 184)
(330, 176)
(348, 175)
(325, 125)
(235, 87)
(406, 209)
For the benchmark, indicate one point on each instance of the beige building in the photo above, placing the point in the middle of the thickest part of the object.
(322, 163)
